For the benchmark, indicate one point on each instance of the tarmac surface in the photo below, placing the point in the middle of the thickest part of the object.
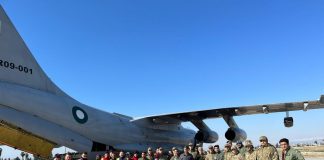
(312, 152)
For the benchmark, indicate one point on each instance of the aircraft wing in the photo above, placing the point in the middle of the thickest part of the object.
(232, 111)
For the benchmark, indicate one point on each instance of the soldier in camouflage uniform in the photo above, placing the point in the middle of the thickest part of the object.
(201, 154)
(192, 150)
(211, 155)
(150, 154)
(241, 147)
(160, 155)
(227, 152)
(230, 143)
(219, 153)
(250, 154)
(289, 153)
(176, 155)
(236, 154)
(143, 156)
(266, 150)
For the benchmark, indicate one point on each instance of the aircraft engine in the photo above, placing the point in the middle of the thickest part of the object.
(235, 134)
(206, 136)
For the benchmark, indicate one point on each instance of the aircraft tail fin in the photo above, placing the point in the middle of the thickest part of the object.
(17, 64)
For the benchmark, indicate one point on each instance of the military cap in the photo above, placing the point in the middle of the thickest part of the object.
(263, 138)
(248, 143)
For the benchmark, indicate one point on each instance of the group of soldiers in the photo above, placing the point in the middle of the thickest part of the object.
(266, 151)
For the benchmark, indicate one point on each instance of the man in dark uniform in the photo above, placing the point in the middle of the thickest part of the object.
(186, 155)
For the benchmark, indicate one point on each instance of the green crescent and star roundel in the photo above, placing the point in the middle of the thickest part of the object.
(79, 115)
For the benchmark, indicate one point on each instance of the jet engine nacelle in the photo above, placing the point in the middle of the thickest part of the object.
(206, 136)
(235, 134)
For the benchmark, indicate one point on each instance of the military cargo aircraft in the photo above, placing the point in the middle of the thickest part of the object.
(37, 116)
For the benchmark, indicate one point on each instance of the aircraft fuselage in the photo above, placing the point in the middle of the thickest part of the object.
(73, 117)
